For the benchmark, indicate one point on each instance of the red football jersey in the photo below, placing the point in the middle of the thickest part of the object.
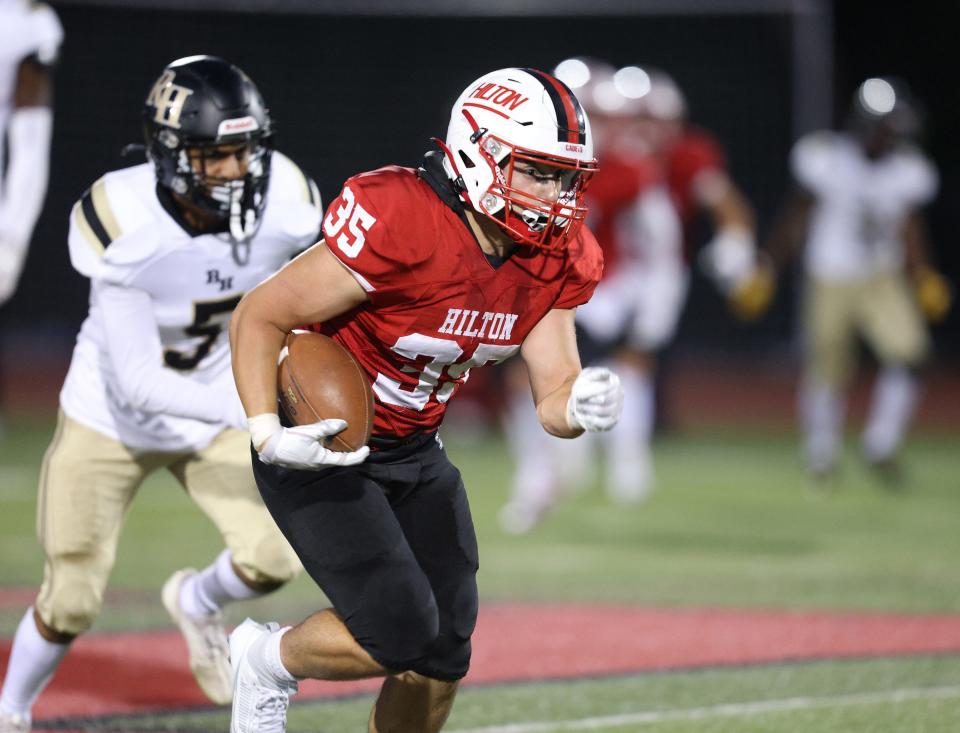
(696, 151)
(615, 188)
(437, 306)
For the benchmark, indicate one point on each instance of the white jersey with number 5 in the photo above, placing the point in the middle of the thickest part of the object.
(142, 377)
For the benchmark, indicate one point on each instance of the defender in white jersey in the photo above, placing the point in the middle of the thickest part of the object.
(30, 37)
(859, 209)
(170, 247)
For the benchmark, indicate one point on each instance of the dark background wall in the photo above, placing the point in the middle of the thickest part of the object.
(353, 93)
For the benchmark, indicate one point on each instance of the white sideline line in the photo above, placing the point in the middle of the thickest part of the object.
(722, 711)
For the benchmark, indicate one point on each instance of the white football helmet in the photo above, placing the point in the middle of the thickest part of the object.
(658, 94)
(513, 116)
(593, 81)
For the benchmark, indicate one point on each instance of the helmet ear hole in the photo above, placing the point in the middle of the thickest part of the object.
(467, 162)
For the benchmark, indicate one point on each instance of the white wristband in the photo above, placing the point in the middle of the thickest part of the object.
(262, 427)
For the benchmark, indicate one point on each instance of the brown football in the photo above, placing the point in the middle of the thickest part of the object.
(318, 379)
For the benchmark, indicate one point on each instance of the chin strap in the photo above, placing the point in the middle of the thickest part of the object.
(243, 224)
(458, 182)
(243, 220)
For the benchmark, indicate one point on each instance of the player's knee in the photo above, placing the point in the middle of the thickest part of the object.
(449, 656)
(911, 355)
(71, 608)
(448, 659)
(268, 564)
(407, 624)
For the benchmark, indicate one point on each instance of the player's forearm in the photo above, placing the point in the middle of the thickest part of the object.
(732, 211)
(552, 412)
(789, 231)
(255, 342)
(136, 357)
(29, 135)
(916, 249)
(160, 391)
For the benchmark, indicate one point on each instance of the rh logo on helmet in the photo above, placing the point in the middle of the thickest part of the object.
(168, 99)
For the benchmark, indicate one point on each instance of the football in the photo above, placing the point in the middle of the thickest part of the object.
(318, 379)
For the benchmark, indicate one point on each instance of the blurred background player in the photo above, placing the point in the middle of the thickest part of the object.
(30, 36)
(633, 312)
(858, 209)
(170, 246)
(693, 164)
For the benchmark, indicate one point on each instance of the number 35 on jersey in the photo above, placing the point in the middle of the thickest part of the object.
(357, 219)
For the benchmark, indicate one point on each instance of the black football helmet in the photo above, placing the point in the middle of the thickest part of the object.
(197, 104)
(884, 112)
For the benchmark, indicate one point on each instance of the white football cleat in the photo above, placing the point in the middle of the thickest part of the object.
(14, 723)
(259, 705)
(206, 641)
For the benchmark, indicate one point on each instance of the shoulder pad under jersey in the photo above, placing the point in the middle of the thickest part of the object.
(382, 224)
(295, 198)
(111, 230)
(812, 159)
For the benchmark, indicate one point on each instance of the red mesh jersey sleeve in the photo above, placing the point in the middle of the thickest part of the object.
(380, 230)
(583, 273)
(697, 151)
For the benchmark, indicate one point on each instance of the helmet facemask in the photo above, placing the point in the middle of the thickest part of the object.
(239, 201)
(530, 219)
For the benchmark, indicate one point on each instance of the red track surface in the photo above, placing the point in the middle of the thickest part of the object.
(122, 673)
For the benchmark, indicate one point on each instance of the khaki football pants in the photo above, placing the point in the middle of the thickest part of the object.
(880, 309)
(87, 483)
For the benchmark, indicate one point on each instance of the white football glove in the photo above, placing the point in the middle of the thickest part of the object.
(596, 400)
(728, 258)
(300, 447)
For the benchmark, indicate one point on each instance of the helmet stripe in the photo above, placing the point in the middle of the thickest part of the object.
(570, 117)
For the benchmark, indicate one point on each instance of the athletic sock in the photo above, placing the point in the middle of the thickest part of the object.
(629, 456)
(212, 588)
(891, 409)
(33, 660)
(264, 657)
(534, 480)
(821, 414)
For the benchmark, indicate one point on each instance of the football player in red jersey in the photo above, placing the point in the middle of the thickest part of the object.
(633, 312)
(423, 274)
(695, 168)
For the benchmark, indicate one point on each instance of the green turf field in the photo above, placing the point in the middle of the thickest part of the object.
(881, 696)
(731, 524)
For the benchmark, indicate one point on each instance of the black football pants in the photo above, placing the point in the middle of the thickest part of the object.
(391, 543)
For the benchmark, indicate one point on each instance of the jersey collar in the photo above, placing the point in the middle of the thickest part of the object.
(431, 171)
